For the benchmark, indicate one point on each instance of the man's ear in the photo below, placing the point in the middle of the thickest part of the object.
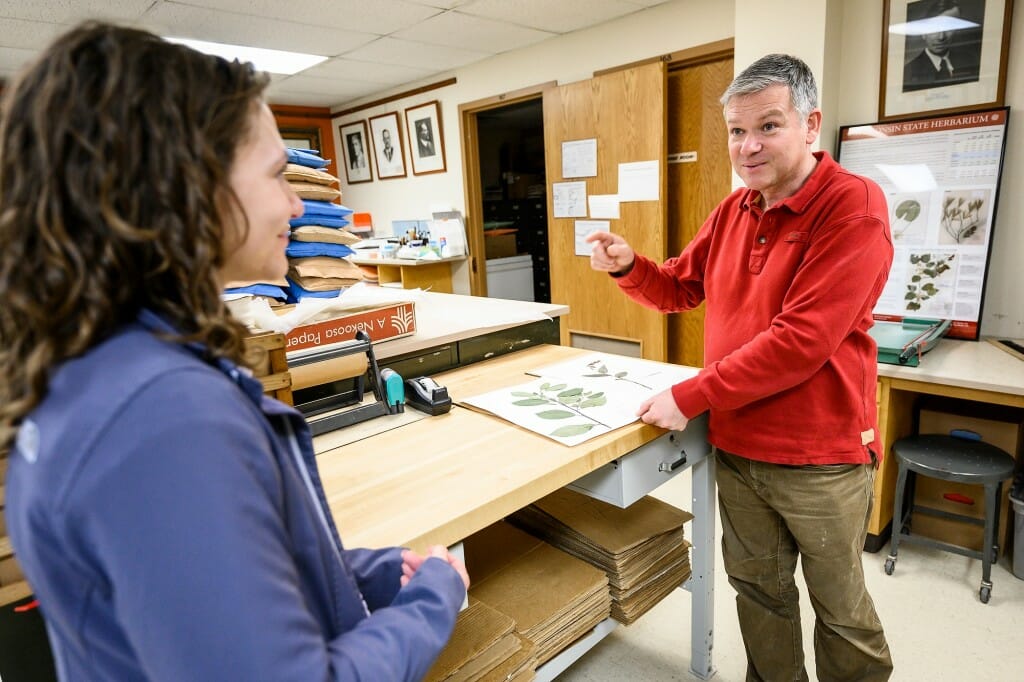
(813, 126)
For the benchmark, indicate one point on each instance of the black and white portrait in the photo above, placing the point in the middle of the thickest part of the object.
(426, 138)
(387, 145)
(943, 43)
(355, 149)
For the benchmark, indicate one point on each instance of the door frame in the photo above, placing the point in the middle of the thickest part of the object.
(470, 135)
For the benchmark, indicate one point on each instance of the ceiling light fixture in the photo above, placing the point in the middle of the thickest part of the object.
(274, 61)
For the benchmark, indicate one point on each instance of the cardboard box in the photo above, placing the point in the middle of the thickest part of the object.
(500, 243)
(997, 425)
(382, 323)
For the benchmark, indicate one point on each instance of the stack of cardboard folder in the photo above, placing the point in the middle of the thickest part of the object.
(484, 646)
(640, 548)
(553, 598)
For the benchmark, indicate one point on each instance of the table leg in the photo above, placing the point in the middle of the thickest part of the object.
(702, 580)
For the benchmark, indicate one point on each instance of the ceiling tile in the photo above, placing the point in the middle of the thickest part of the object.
(380, 16)
(454, 29)
(440, 4)
(384, 75)
(73, 11)
(328, 91)
(30, 35)
(222, 27)
(12, 59)
(408, 53)
(563, 16)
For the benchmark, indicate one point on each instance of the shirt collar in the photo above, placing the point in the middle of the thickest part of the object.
(797, 202)
(239, 375)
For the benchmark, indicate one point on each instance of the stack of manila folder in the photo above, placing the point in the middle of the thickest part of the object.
(553, 598)
(640, 548)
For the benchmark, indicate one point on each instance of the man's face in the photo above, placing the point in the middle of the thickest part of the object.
(386, 137)
(940, 41)
(769, 141)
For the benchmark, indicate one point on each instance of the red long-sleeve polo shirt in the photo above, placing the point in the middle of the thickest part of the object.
(790, 369)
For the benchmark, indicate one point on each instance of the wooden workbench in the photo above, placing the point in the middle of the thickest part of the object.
(440, 479)
(970, 370)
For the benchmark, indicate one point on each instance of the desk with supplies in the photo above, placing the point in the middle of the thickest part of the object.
(440, 479)
(968, 370)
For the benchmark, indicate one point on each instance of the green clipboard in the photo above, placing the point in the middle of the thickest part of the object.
(903, 343)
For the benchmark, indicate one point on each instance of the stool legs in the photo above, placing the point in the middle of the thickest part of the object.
(989, 550)
(898, 519)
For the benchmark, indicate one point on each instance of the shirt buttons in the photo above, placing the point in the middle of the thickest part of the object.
(762, 239)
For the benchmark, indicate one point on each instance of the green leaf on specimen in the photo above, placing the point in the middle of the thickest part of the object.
(531, 402)
(556, 414)
(908, 210)
(571, 430)
(572, 392)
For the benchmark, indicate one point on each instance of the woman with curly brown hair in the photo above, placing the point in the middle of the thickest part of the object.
(168, 515)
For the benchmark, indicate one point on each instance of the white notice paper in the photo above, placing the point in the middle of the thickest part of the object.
(570, 199)
(638, 181)
(604, 205)
(584, 227)
(579, 159)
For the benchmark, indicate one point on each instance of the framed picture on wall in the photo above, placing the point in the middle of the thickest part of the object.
(301, 138)
(941, 56)
(386, 132)
(426, 139)
(354, 144)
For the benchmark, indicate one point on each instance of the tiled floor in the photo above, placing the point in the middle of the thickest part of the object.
(935, 624)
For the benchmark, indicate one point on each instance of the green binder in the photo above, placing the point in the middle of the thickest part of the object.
(903, 343)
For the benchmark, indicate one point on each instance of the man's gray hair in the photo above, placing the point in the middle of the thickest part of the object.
(777, 69)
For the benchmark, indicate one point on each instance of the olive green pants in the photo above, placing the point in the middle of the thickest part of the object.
(771, 514)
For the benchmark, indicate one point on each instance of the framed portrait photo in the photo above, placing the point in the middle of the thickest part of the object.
(354, 148)
(386, 132)
(943, 56)
(426, 139)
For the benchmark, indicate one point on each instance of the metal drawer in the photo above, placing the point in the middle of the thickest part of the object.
(625, 480)
(508, 340)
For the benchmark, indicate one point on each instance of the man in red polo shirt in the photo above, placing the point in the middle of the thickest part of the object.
(790, 268)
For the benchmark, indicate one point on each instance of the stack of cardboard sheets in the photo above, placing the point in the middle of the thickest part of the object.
(553, 598)
(641, 548)
(484, 646)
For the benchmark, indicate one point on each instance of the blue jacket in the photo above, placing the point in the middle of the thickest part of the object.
(171, 520)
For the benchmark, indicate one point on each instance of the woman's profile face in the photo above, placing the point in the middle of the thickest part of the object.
(257, 177)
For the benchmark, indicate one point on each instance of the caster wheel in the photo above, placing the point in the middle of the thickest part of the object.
(890, 566)
(985, 593)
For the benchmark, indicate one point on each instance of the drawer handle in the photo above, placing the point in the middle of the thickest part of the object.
(669, 467)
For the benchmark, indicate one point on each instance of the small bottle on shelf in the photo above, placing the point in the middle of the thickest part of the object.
(446, 251)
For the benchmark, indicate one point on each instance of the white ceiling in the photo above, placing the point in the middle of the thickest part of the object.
(373, 45)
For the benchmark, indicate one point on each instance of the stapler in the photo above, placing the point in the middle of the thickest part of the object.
(426, 395)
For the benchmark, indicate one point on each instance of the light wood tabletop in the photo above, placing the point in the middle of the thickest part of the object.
(440, 479)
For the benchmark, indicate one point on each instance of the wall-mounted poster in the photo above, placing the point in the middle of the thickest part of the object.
(387, 146)
(940, 176)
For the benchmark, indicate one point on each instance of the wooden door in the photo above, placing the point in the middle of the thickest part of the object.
(703, 178)
(625, 111)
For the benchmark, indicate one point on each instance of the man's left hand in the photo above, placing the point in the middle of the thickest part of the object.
(661, 410)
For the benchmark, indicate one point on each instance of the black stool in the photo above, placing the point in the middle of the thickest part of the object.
(951, 459)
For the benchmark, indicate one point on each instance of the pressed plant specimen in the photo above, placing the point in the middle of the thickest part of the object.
(907, 211)
(567, 403)
(926, 268)
(961, 218)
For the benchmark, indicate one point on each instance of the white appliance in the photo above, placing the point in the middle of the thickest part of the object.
(510, 277)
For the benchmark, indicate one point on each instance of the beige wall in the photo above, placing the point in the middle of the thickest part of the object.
(840, 40)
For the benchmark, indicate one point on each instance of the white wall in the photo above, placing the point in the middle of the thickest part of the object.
(666, 28)
(839, 39)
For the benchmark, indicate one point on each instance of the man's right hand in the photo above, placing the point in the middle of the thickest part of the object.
(610, 253)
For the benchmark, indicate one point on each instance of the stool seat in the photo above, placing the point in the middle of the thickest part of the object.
(954, 459)
(959, 460)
